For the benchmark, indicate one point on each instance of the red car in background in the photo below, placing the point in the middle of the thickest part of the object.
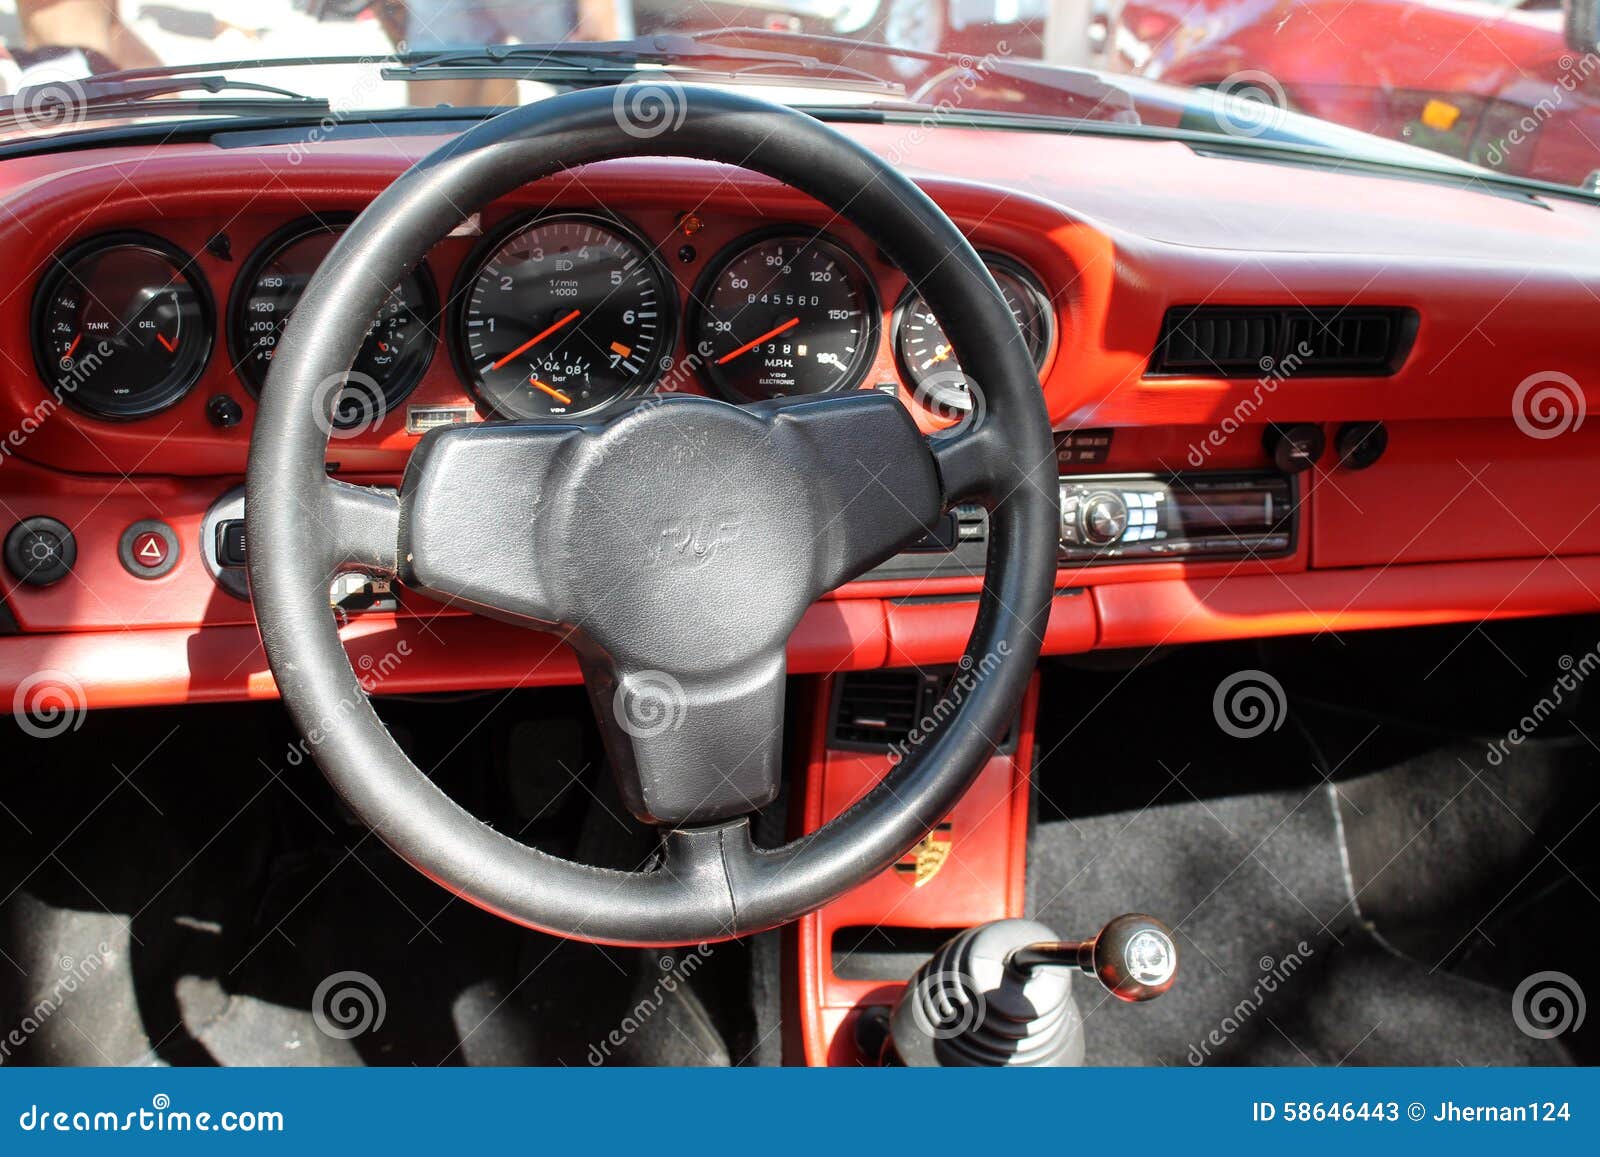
(1497, 84)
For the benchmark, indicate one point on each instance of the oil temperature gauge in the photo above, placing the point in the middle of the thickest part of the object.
(928, 364)
(399, 344)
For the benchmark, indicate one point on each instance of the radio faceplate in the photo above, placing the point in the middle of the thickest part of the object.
(1141, 517)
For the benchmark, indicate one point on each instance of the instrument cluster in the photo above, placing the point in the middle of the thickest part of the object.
(549, 314)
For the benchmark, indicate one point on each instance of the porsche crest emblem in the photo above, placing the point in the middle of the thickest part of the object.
(922, 863)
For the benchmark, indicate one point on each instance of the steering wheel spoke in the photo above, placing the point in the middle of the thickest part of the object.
(875, 487)
(692, 749)
(363, 527)
(470, 518)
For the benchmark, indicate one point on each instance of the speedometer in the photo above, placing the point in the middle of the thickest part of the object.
(562, 315)
(786, 314)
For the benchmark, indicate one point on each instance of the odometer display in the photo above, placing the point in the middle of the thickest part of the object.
(122, 326)
(563, 315)
(786, 314)
(398, 347)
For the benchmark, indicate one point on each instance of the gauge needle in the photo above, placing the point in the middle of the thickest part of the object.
(750, 345)
(172, 346)
(73, 347)
(940, 353)
(535, 339)
(551, 390)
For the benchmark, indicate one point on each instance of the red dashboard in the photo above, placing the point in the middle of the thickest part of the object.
(1483, 502)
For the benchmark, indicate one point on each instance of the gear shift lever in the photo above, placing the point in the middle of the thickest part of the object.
(1000, 994)
(1134, 956)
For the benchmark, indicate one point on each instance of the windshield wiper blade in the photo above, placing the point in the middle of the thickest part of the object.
(1099, 98)
(66, 102)
(606, 61)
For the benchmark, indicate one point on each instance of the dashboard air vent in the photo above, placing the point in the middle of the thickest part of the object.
(876, 709)
(1250, 342)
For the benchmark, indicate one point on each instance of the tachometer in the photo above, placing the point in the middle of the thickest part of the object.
(789, 313)
(122, 326)
(399, 345)
(563, 315)
(928, 364)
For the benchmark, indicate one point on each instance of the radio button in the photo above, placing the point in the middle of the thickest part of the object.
(1102, 517)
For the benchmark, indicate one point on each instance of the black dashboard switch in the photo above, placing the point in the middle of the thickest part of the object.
(230, 543)
(223, 412)
(1360, 444)
(1295, 448)
(40, 551)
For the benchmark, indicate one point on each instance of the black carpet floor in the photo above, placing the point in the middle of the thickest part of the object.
(1357, 886)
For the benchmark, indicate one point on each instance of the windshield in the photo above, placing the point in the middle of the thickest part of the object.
(1511, 86)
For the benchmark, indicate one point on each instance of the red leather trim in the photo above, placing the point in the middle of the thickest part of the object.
(1249, 607)
(982, 879)
(393, 655)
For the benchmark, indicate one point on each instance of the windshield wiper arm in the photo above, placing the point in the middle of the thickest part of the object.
(603, 62)
(66, 102)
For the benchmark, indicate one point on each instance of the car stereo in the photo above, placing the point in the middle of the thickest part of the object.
(1140, 517)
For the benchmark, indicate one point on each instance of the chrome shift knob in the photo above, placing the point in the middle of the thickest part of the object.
(1134, 956)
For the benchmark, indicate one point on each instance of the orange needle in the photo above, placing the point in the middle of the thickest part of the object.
(535, 340)
(172, 346)
(551, 390)
(74, 345)
(750, 345)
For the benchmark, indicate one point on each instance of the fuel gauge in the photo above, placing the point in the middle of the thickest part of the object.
(122, 326)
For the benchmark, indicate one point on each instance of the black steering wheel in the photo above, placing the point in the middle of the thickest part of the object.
(575, 526)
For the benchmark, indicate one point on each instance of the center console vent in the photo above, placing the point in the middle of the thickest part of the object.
(1208, 341)
(879, 710)
(875, 709)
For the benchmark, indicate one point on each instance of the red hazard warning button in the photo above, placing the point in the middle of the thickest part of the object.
(148, 549)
